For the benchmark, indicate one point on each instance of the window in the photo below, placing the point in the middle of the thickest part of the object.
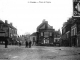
(46, 34)
(63, 31)
(46, 41)
(56, 40)
(73, 30)
(68, 34)
(50, 34)
(41, 33)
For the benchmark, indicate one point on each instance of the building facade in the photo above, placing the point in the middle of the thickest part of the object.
(7, 32)
(12, 34)
(66, 33)
(75, 29)
(70, 32)
(45, 34)
(57, 38)
(33, 38)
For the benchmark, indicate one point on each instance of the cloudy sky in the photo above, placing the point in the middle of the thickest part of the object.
(26, 16)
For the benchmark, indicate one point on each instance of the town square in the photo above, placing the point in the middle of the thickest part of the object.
(39, 30)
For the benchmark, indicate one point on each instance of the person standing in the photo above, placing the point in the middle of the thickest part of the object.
(6, 43)
(26, 43)
(29, 44)
(19, 43)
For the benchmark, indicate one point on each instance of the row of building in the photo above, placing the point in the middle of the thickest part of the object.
(7, 32)
(71, 32)
(71, 28)
(45, 35)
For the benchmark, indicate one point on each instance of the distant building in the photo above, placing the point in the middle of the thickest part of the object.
(7, 32)
(45, 34)
(12, 33)
(33, 38)
(57, 38)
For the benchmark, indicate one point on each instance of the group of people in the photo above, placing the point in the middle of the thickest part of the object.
(28, 44)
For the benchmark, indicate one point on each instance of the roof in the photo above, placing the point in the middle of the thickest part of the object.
(57, 32)
(50, 27)
(34, 34)
(1, 22)
(43, 25)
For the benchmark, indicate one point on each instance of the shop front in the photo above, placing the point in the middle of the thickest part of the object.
(46, 37)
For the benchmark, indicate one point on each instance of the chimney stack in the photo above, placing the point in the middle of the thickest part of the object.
(6, 21)
(10, 24)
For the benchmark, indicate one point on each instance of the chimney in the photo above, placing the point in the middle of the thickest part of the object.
(6, 21)
(10, 24)
(43, 20)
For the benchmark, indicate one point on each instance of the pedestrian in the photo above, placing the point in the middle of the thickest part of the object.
(29, 44)
(26, 43)
(19, 43)
(6, 43)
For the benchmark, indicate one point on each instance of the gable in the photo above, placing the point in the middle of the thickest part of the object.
(43, 26)
(50, 27)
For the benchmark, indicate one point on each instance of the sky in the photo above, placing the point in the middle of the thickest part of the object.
(26, 16)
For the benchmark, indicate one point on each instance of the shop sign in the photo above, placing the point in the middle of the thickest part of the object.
(76, 8)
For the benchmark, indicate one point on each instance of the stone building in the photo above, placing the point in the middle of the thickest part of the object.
(66, 33)
(57, 38)
(71, 32)
(75, 32)
(45, 34)
(7, 32)
(71, 28)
